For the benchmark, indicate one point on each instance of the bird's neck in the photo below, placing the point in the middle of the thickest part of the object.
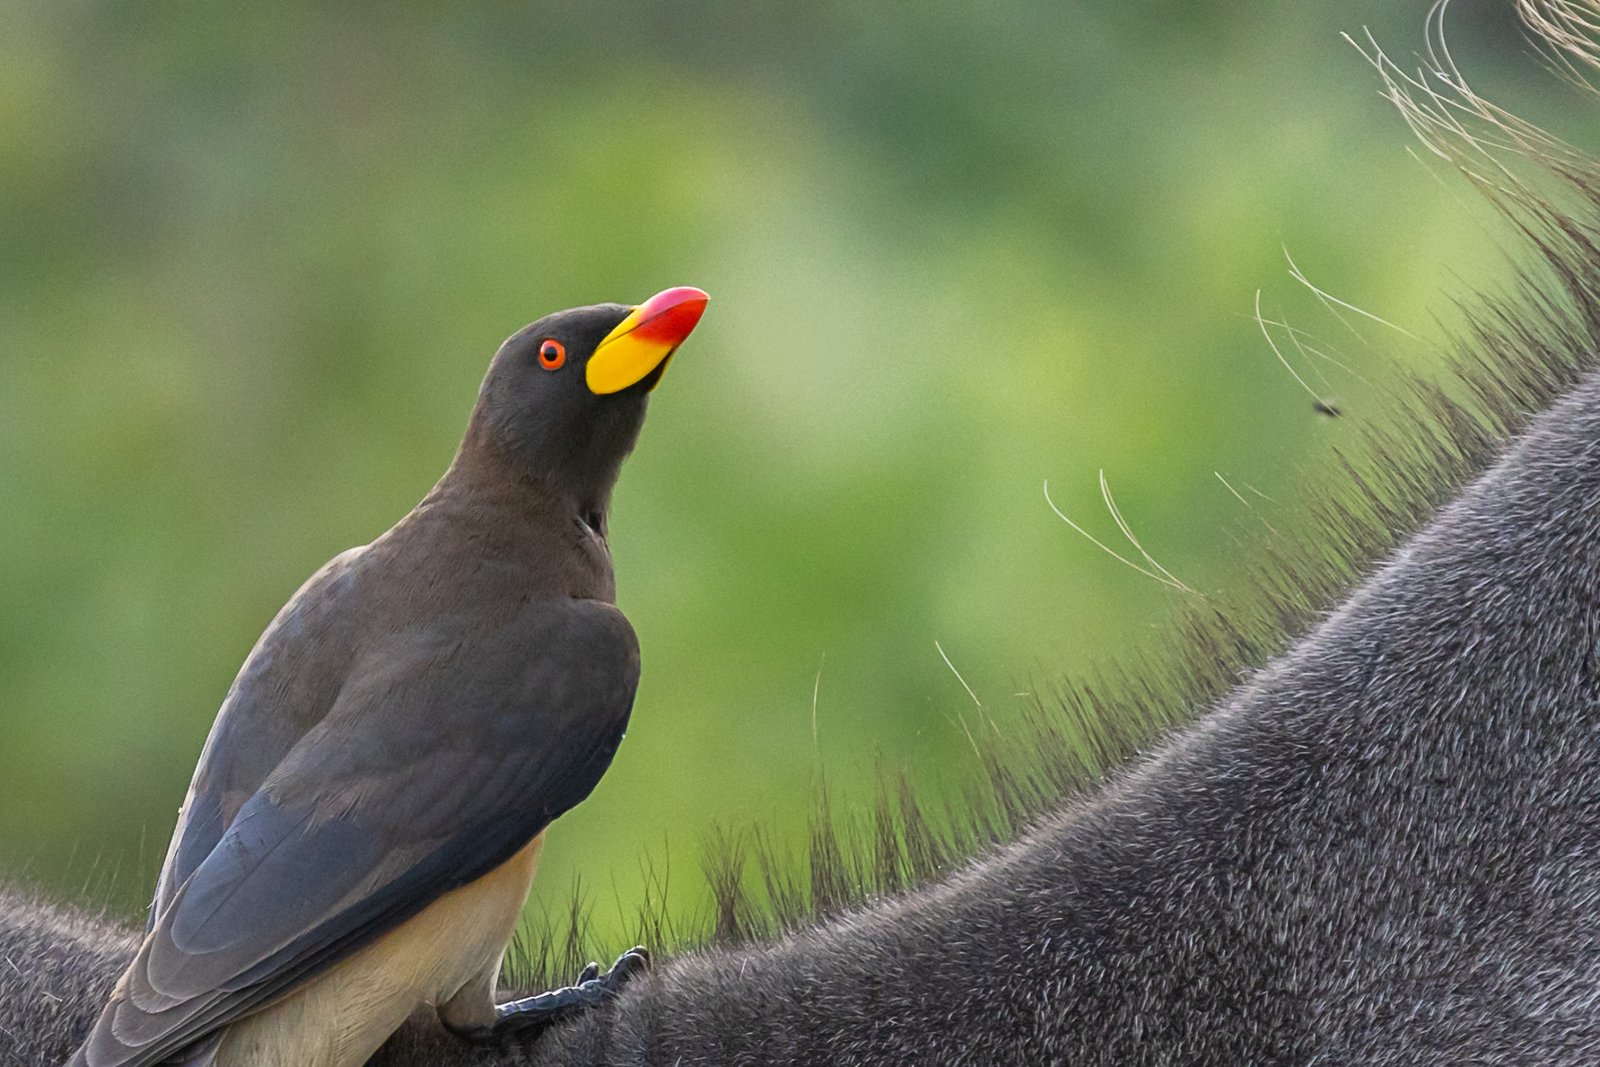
(486, 477)
(514, 512)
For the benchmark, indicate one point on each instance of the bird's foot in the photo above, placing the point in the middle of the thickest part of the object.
(537, 1012)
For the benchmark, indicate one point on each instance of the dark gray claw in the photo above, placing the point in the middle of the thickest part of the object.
(591, 988)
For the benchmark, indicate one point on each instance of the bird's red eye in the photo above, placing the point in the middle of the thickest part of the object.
(552, 354)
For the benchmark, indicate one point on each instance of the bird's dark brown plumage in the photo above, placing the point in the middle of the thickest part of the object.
(415, 715)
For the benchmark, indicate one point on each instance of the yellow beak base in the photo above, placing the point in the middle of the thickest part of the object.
(644, 340)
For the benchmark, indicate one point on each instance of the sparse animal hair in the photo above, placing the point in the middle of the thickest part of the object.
(1378, 843)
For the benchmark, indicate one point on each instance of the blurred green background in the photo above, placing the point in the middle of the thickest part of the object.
(254, 259)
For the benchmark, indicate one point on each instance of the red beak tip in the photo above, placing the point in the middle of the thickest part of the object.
(685, 296)
(673, 312)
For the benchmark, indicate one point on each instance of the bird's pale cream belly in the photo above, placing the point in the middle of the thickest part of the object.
(342, 1017)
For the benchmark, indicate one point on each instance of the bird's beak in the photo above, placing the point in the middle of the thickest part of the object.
(644, 340)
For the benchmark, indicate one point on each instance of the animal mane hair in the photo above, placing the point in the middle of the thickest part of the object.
(1350, 811)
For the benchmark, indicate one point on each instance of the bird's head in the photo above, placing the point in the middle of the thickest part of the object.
(565, 397)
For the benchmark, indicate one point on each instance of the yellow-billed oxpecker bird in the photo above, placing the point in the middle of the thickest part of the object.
(365, 819)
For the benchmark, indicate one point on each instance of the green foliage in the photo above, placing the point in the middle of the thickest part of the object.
(255, 261)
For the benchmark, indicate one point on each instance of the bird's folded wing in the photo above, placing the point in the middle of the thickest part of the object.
(252, 733)
(443, 756)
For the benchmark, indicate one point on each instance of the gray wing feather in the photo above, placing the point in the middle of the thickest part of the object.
(439, 761)
(259, 723)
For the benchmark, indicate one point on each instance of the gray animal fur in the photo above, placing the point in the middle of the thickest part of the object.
(1382, 848)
